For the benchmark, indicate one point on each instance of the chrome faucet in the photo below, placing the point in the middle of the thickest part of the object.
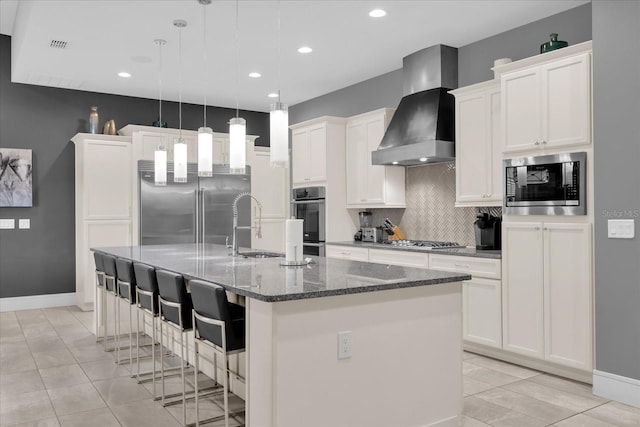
(258, 221)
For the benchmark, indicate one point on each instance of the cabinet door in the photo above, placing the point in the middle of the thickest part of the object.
(220, 151)
(300, 156)
(472, 155)
(375, 173)
(97, 234)
(317, 160)
(496, 146)
(566, 101)
(147, 143)
(521, 109)
(482, 311)
(522, 289)
(107, 180)
(567, 294)
(269, 185)
(356, 167)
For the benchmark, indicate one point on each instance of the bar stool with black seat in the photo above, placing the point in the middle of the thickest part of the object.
(147, 305)
(99, 295)
(111, 288)
(126, 292)
(175, 308)
(219, 325)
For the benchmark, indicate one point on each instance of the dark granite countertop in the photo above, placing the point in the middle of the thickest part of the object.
(471, 252)
(264, 279)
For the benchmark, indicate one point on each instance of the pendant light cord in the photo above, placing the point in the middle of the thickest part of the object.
(278, 54)
(180, 79)
(204, 21)
(160, 43)
(237, 64)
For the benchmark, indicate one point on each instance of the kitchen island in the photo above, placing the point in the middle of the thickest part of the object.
(405, 367)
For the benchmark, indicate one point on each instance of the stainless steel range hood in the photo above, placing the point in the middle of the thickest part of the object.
(422, 129)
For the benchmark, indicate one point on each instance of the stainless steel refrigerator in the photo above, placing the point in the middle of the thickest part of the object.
(197, 211)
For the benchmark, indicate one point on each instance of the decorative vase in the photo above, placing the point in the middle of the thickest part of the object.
(159, 124)
(109, 127)
(553, 44)
(93, 120)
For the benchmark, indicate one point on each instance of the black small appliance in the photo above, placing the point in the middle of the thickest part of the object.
(488, 231)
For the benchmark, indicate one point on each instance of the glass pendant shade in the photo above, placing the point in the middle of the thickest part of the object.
(160, 166)
(205, 151)
(279, 135)
(179, 160)
(237, 145)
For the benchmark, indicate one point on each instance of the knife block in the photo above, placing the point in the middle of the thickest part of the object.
(397, 234)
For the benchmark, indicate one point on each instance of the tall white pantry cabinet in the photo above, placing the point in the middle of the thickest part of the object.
(103, 203)
(547, 261)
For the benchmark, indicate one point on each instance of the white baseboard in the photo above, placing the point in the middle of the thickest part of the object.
(616, 387)
(37, 301)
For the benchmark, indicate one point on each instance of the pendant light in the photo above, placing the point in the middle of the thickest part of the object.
(160, 155)
(237, 125)
(180, 144)
(279, 122)
(205, 134)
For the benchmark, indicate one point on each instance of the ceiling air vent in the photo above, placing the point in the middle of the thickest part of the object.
(58, 44)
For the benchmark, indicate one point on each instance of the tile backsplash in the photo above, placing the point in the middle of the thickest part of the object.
(431, 213)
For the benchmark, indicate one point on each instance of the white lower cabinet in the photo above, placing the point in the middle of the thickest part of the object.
(547, 302)
(347, 252)
(481, 296)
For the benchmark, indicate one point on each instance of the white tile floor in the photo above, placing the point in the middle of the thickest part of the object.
(52, 373)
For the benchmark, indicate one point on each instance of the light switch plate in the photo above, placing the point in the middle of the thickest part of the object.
(7, 224)
(621, 228)
(24, 224)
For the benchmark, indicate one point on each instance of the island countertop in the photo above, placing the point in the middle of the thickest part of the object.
(265, 280)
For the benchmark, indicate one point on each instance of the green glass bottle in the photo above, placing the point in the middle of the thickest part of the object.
(553, 44)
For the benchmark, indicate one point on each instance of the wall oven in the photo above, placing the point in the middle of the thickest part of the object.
(308, 204)
(546, 185)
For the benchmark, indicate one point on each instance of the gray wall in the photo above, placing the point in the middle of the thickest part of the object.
(474, 65)
(616, 99)
(42, 260)
(476, 59)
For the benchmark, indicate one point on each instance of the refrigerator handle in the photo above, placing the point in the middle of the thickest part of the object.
(195, 229)
(202, 220)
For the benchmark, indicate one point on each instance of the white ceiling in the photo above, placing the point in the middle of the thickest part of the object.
(106, 37)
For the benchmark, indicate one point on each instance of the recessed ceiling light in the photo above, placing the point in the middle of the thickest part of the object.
(255, 75)
(377, 13)
(394, 163)
(423, 159)
(124, 74)
(305, 49)
(273, 95)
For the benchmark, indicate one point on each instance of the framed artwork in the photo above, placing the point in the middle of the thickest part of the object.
(16, 188)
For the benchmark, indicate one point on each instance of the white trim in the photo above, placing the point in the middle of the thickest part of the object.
(616, 387)
(37, 301)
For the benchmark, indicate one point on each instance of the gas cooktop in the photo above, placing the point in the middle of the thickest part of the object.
(423, 244)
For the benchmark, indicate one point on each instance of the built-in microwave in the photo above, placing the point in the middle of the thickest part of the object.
(546, 185)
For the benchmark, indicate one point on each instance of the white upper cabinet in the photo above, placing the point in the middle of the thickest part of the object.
(546, 100)
(312, 150)
(371, 185)
(479, 145)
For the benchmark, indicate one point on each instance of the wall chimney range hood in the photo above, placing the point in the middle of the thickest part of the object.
(422, 129)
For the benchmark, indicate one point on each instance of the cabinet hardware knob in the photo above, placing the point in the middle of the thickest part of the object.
(537, 143)
(545, 229)
(537, 228)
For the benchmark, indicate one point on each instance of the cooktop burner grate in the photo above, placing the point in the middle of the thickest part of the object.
(426, 244)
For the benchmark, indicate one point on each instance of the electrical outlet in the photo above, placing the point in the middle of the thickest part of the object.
(344, 345)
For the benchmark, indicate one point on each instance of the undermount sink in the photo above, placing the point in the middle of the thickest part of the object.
(260, 254)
